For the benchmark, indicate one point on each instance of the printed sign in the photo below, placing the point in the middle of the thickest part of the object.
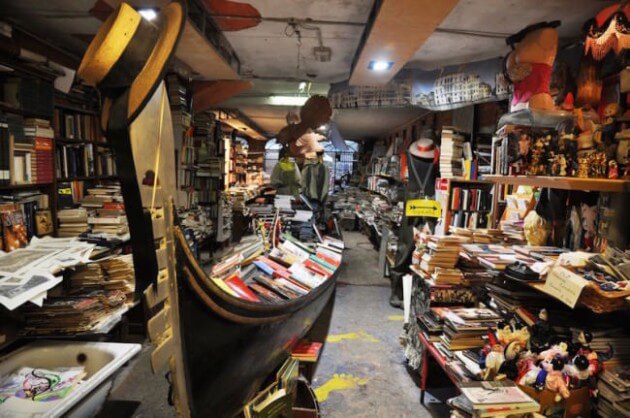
(423, 207)
(564, 285)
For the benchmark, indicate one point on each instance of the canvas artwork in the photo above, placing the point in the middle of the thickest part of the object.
(40, 385)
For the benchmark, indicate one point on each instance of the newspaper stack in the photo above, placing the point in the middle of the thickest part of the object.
(28, 273)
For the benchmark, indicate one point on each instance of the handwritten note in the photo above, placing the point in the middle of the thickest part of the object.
(564, 285)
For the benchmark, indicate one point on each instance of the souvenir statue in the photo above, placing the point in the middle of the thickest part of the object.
(529, 65)
(611, 111)
(613, 169)
(509, 366)
(542, 333)
(583, 168)
(555, 379)
(563, 165)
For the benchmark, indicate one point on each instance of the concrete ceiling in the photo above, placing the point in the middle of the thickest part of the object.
(269, 57)
(267, 51)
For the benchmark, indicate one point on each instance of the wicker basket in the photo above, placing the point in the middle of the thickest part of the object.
(600, 301)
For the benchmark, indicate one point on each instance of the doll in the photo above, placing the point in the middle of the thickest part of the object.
(509, 366)
(588, 218)
(558, 350)
(580, 374)
(542, 333)
(493, 359)
(613, 169)
(527, 369)
(555, 379)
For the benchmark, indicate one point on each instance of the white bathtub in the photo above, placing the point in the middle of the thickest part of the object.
(101, 361)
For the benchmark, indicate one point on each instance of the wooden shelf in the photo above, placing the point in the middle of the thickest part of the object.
(81, 142)
(563, 183)
(18, 187)
(9, 109)
(87, 178)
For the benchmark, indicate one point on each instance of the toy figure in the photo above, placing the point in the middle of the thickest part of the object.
(555, 379)
(594, 358)
(588, 215)
(529, 65)
(527, 369)
(613, 169)
(583, 168)
(580, 374)
(556, 350)
(494, 358)
(611, 110)
(563, 165)
(542, 333)
(509, 367)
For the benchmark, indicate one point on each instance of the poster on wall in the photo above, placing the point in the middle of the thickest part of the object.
(446, 88)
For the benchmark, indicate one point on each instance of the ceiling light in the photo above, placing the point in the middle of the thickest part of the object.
(380, 65)
(288, 100)
(322, 53)
(148, 14)
(302, 86)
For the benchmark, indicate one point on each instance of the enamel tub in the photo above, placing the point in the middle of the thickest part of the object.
(100, 360)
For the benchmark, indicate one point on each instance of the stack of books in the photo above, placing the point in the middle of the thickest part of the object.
(106, 211)
(512, 230)
(478, 235)
(442, 252)
(614, 392)
(72, 222)
(491, 399)
(307, 351)
(451, 152)
(464, 328)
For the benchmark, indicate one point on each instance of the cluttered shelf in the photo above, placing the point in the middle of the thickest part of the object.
(26, 113)
(564, 183)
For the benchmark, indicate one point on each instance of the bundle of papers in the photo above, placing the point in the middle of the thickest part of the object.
(465, 327)
(490, 399)
(27, 274)
(22, 386)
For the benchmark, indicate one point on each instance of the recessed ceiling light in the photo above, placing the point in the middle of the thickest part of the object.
(380, 65)
(148, 14)
(302, 85)
(288, 100)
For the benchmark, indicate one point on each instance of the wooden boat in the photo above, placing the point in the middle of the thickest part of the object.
(220, 349)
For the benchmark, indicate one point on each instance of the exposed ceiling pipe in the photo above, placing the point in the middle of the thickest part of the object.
(291, 19)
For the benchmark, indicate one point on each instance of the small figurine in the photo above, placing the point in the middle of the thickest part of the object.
(509, 366)
(555, 379)
(588, 216)
(494, 359)
(580, 374)
(611, 110)
(583, 168)
(556, 350)
(613, 169)
(527, 369)
(563, 165)
(542, 333)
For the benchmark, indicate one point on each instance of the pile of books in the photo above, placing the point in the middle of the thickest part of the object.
(442, 252)
(513, 231)
(614, 392)
(289, 271)
(451, 153)
(491, 399)
(106, 211)
(307, 351)
(72, 222)
(478, 235)
(465, 327)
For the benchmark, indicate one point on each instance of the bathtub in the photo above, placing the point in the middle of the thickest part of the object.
(101, 361)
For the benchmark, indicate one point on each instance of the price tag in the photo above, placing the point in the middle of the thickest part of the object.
(564, 285)
(423, 207)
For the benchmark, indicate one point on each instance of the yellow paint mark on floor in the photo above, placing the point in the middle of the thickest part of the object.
(396, 317)
(338, 382)
(361, 335)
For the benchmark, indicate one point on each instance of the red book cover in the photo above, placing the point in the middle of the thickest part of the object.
(241, 288)
(114, 205)
(327, 259)
(307, 351)
(278, 270)
(317, 268)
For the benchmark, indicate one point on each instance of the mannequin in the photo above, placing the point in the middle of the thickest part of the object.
(529, 65)
(316, 179)
(286, 175)
(421, 161)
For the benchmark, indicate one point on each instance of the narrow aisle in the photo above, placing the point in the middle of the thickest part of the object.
(362, 372)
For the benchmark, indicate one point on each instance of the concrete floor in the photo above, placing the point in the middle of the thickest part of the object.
(362, 371)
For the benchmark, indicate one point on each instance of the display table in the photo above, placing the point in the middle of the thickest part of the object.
(430, 350)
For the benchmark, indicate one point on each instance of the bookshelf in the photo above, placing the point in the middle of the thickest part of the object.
(465, 203)
(563, 183)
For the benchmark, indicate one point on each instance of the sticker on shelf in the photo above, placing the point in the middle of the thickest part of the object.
(423, 207)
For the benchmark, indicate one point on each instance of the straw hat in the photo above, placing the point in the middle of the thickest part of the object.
(131, 54)
(423, 148)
